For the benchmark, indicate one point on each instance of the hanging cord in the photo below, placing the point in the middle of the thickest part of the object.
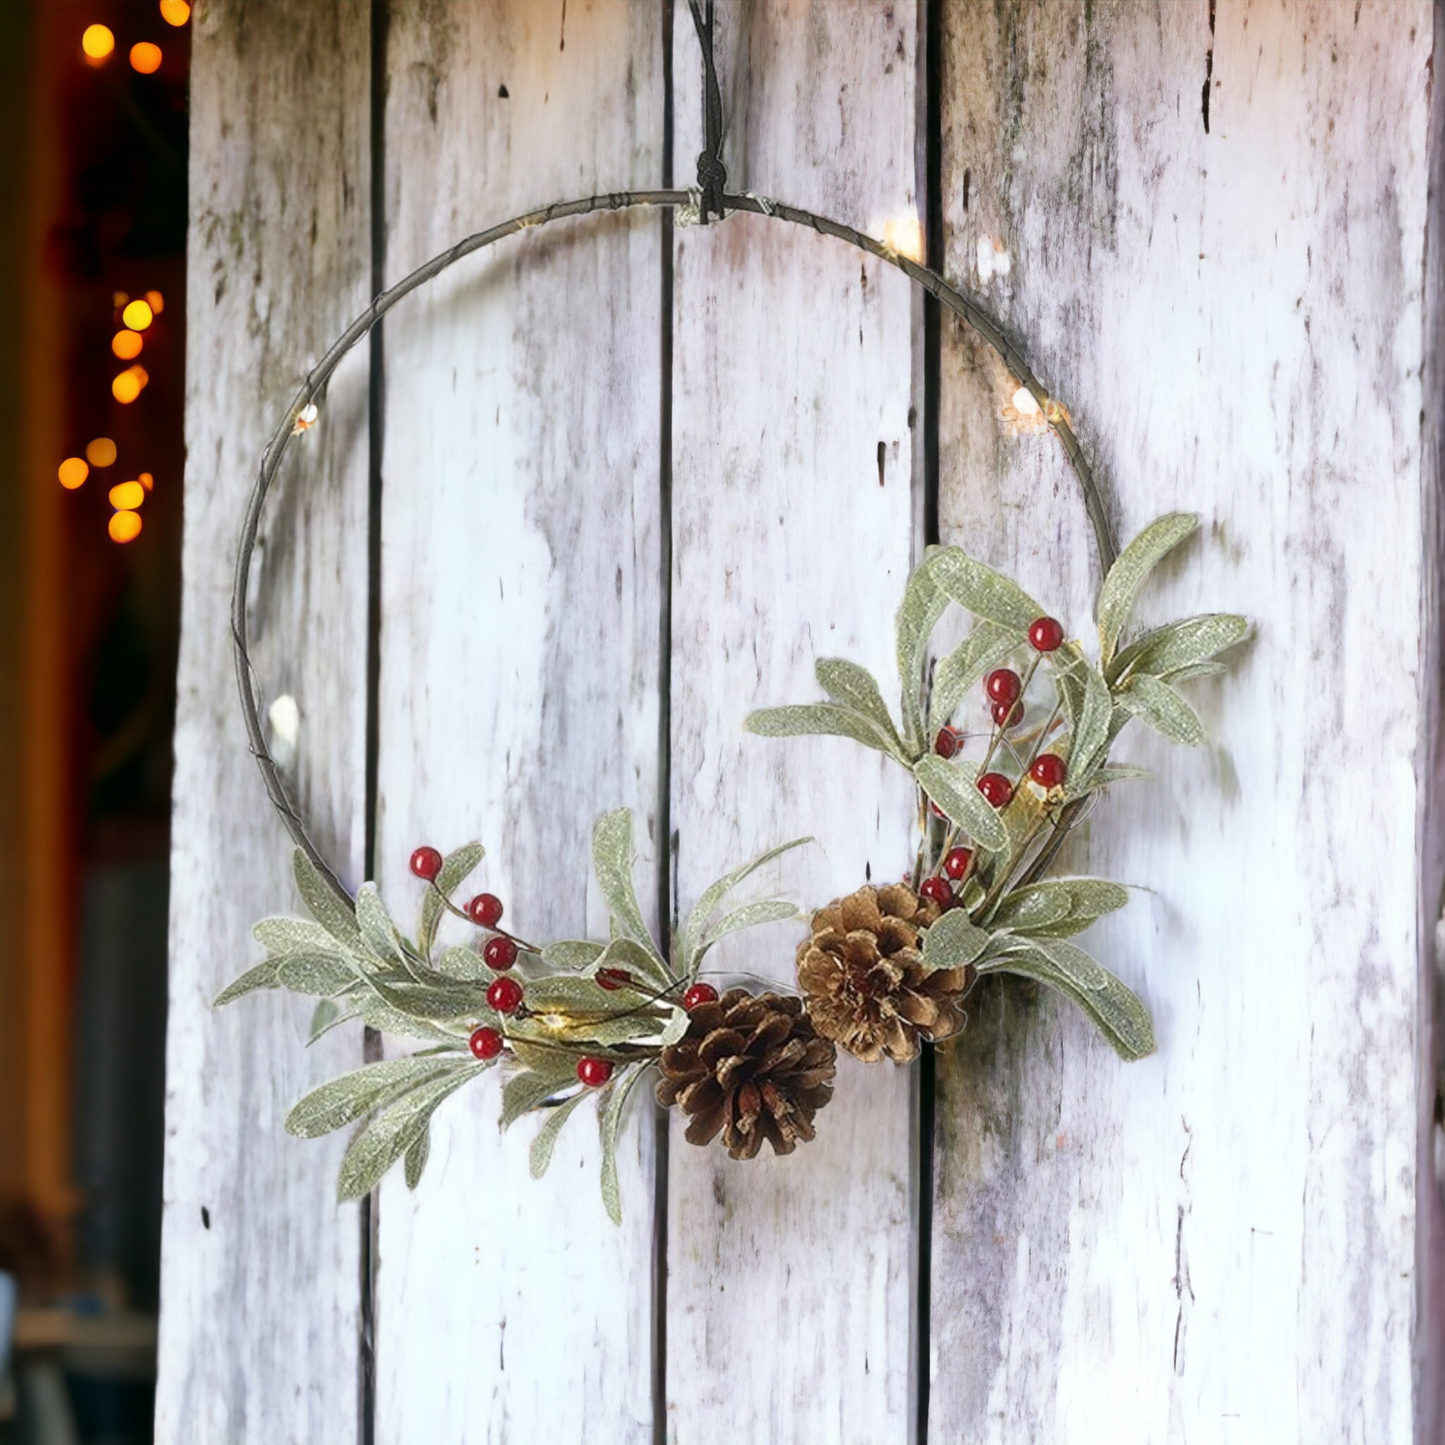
(712, 174)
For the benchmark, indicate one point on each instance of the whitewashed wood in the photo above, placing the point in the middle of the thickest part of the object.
(521, 575)
(790, 1280)
(1217, 1244)
(260, 1271)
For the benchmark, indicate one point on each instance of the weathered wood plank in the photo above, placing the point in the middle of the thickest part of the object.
(790, 1279)
(260, 1277)
(1216, 1244)
(521, 579)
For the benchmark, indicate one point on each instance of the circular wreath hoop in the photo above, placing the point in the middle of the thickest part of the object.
(884, 969)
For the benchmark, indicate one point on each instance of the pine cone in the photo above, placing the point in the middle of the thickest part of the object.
(752, 1066)
(863, 979)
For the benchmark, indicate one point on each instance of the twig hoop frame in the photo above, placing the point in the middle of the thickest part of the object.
(968, 311)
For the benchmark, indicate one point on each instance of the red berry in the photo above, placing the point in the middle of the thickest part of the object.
(485, 909)
(486, 1043)
(612, 978)
(426, 863)
(1003, 685)
(936, 810)
(996, 789)
(956, 864)
(947, 743)
(697, 995)
(936, 890)
(1045, 635)
(1006, 716)
(504, 995)
(594, 1072)
(500, 953)
(1049, 770)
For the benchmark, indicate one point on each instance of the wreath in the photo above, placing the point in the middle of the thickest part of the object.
(881, 971)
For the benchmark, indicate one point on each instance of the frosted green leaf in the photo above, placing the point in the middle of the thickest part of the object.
(450, 999)
(342, 1101)
(325, 1017)
(588, 1015)
(1201, 669)
(263, 975)
(953, 788)
(983, 649)
(1127, 575)
(712, 897)
(1036, 906)
(456, 869)
(416, 1157)
(381, 1016)
(612, 862)
(855, 687)
(675, 1028)
(952, 942)
(540, 1154)
(1157, 704)
(611, 1121)
(326, 908)
(525, 1091)
(642, 963)
(292, 935)
(1090, 706)
(923, 604)
(981, 590)
(377, 929)
(1181, 645)
(1113, 1008)
(1068, 668)
(317, 974)
(464, 963)
(387, 1137)
(822, 719)
(749, 915)
(571, 953)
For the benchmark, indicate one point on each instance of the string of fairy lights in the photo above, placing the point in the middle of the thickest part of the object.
(134, 316)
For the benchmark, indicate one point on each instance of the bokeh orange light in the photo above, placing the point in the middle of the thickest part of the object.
(126, 345)
(137, 315)
(97, 43)
(155, 301)
(145, 57)
(126, 387)
(100, 452)
(127, 496)
(125, 527)
(147, 481)
(175, 12)
(73, 472)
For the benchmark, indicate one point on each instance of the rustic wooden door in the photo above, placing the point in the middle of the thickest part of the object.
(595, 494)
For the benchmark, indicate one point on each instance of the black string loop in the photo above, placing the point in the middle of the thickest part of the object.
(712, 174)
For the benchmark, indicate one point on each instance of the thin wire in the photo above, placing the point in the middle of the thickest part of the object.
(312, 390)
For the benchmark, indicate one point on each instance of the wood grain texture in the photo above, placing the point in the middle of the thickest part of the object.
(260, 1276)
(790, 1279)
(1217, 1244)
(521, 578)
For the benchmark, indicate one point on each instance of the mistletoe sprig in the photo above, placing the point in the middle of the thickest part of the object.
(572, 1020)
(886, 967)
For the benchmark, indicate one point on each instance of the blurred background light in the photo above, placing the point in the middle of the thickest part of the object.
(175, 12)
(100, 452)
(73, 472)
(127, 496)
(145, 57)
(97, 43)
(137, 315)
(125, 527)
(126, 345)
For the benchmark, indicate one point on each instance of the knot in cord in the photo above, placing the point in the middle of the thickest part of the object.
(712, 174)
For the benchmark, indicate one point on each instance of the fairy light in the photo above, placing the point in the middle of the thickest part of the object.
(138, 315)
(125, 527)
(100, 452)
(127, 496)
(73, 472)
(126, 345)
(97, 42)
(147, 481)
(119, 298)
(1024, 403)
(145, 57)
(903, 235)
(155, 301)
(175, 12)
(126, 387)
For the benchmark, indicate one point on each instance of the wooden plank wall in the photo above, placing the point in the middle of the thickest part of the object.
(261, 1273)
(1218, 1244)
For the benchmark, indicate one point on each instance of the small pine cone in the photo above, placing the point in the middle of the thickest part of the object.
(863, 978)
(752, 1067)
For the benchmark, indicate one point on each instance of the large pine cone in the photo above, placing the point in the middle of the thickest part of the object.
(863, 978)
(752, 1066)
